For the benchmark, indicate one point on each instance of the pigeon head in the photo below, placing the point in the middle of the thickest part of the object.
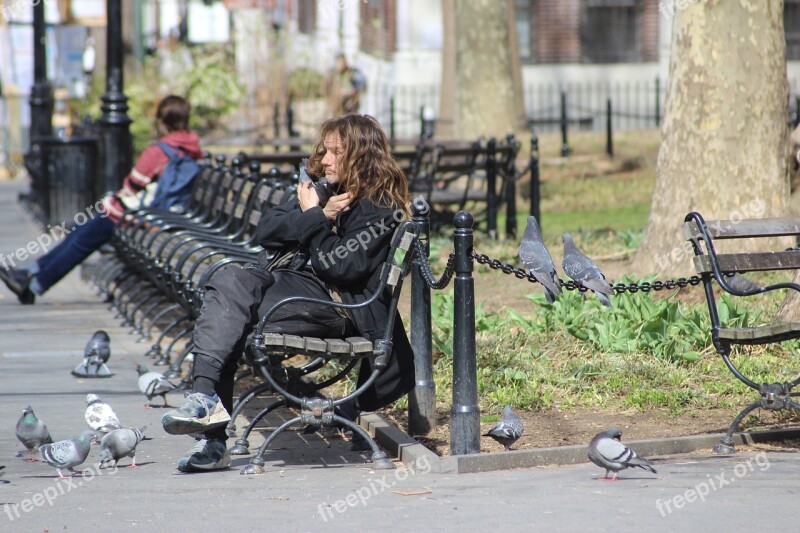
(89, 436)
(141, 369)
(27, 410)
(92, 398)
(507, 410)
(101, 335)
(613, 433)
(532, 229)
(567, 238)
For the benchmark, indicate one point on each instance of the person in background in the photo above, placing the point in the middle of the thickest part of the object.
(172, 120)
(346, 84)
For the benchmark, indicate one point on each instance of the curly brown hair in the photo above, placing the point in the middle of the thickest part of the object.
(366, 167)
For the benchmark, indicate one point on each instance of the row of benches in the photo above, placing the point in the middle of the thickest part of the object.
(164, 260)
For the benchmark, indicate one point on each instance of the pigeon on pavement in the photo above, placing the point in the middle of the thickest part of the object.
(537, 259)
(508, 430)
(153, 384)
(95, 356)
(121, 443)
(585, 273)
(606, 451)
(67, 454)
(32, 432)
(100, 416)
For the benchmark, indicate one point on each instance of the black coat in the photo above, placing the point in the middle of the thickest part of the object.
(349, 257)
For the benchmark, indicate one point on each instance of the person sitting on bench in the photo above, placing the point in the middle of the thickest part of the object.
(330, 251)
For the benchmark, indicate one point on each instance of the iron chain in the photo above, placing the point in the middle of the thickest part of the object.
(425, 268)
(645, 286)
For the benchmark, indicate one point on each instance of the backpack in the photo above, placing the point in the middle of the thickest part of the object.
(174, 186)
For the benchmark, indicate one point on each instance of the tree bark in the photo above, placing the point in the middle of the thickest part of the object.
(447, 105)
(724, 136)
(484, 90)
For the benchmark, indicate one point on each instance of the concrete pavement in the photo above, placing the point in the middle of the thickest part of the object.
(313, 483)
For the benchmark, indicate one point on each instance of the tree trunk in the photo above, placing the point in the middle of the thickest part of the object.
(447, 104)
(723, 150)
(484, 92)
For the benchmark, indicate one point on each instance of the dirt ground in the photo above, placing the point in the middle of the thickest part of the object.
(563, 428)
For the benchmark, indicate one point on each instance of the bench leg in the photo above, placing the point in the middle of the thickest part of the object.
(165, 359)
(241, 446)
(155, 350)
(726, 444)
(240, 404)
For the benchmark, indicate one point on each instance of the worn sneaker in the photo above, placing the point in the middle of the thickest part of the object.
(205, 455)
(18, 281)
(199, 413)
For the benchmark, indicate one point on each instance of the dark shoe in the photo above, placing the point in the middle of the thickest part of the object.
(206, 455)
(18, 281)
(199, 413)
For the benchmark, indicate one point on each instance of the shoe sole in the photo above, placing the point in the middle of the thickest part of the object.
(184, 426)
(23, 293)
(223, 463)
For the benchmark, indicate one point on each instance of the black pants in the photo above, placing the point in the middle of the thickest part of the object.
(234, 301)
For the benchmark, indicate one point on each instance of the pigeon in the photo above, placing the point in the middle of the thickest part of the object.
(508, 430)
(742, 284)
(32, 432)
(68, 453)
(606, 451)
(95, 356)
(536, 258)
(120, 443)
(585, 273)
(100, 416)
(154, 384)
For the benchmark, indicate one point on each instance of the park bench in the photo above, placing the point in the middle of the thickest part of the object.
(713, 266)
(171, 256)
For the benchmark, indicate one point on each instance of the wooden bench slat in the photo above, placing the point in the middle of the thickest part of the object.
(338, 346)
(760, 332)
(313, 344)
(750, 262)
(360, 344)
(739, 229)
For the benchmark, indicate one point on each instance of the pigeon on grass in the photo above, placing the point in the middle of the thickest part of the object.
(584, 271)
(32, 432)
(537, 259)
(508, 430)
(120, 443)
(153, 384)
(606, 451)
(100, 416)
(67, 454)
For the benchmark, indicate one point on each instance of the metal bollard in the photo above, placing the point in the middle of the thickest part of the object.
(422, 399)
(609, 129)
(564, 125)
(491, 184)
(465, 415)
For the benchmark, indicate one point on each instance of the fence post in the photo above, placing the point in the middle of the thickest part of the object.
(564, 125)
(796, 111)
(535, 192)
(658, 102)
(491, 184)
(465, 414)
(391, 122)
(422, 399)
(511, 191)
(41, 99)
(609, 129)
(276, 120)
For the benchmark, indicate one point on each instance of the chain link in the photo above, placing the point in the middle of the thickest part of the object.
(425, 268)
(645, 286)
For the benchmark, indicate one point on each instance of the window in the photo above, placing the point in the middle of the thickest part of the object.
(378, 27)
(306, 16)
(524, 19)
(610, 31)
(791, 26)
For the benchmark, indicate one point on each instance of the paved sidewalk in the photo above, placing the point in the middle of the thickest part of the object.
(318, 484)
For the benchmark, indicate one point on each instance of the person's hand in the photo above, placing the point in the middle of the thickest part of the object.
(336, 204)
(307, 196)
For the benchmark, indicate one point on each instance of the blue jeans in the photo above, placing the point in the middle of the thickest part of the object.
(77, 246)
